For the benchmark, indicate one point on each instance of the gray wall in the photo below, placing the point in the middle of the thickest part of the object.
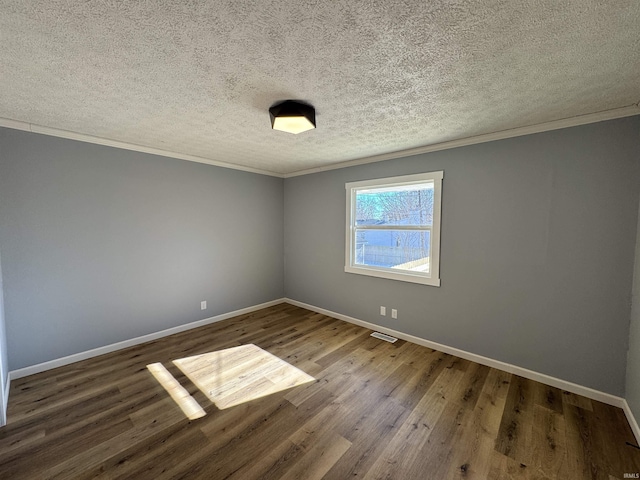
(101, 245)
(4, 361)
(633, 361)
(538, 238)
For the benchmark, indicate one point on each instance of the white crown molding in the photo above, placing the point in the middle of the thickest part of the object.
(76, 357)
(81, 137)
(612, 114)
(489, 362)
(628, 111)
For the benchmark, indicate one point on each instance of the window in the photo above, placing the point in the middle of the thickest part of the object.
(393, 228)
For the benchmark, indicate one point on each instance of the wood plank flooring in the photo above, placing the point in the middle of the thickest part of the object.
(375, 411)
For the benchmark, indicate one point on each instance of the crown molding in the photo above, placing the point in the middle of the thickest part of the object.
(81, 137)
(612, 114)
(627, 111)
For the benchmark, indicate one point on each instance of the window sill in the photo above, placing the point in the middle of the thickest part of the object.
(402, 277)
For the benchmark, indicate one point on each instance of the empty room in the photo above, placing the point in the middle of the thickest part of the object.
(320, 240)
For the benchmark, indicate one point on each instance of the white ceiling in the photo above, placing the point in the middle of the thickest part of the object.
(196, 78)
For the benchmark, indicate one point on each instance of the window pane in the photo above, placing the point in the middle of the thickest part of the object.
(397, 249)
(400, 205)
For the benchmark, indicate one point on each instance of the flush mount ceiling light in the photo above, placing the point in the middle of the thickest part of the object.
(292, 117)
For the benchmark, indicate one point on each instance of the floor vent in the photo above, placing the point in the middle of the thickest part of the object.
(386, 338)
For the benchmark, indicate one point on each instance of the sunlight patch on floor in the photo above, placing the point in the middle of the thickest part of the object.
(186, 402)
(240, 374)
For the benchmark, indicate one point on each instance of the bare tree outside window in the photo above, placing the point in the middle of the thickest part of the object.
(390, 221)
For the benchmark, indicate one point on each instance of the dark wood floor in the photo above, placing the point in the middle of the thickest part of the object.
(376, 410)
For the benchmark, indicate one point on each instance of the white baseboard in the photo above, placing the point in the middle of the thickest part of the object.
(506, 367)
(76, 357)
(632, 421)
(523, 372)
(5, 399)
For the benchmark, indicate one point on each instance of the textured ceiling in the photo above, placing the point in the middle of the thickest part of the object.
(197, 77)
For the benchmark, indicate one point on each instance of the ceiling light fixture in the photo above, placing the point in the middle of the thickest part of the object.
(292, 117)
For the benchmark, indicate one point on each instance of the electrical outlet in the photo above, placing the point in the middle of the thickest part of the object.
(394, 313)
(383, 310)
(203, 305)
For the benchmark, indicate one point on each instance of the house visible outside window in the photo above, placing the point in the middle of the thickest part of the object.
(393, 228)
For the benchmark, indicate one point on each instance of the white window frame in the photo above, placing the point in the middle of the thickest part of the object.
(433, 277)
